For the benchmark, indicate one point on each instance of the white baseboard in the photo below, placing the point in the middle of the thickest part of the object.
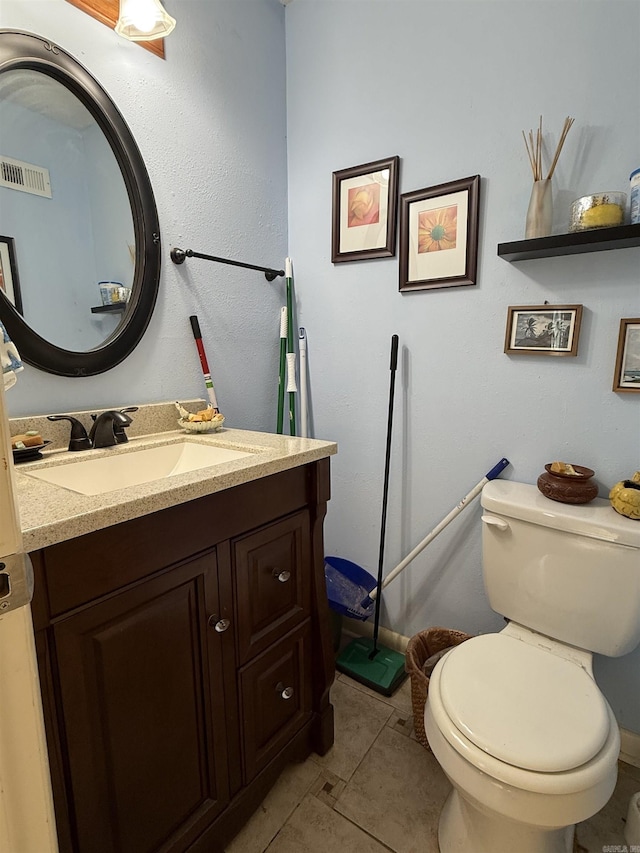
(388, 638)
(630, 747)
(629, 741)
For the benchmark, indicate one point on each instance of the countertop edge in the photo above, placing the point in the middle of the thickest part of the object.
(41, 502)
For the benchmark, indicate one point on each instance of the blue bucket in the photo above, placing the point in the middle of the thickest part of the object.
(348, 585)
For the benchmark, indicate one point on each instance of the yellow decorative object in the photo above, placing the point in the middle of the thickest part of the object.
(602, 216)
(625, 497)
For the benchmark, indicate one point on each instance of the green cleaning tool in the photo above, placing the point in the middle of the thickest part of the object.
(377, 667)
(283, 365)
(291, 352)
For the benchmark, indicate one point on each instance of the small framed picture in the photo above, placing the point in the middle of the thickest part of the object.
(627, 373)
(543, 329)
(439, 235)
(365, 207)
(9, 282)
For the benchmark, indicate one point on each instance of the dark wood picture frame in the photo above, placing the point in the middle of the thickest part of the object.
(628, 353)
(365, 209)
(9, 279)
(543, 330)
(439, 235)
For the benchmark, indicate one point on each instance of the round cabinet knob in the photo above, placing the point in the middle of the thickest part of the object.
(283, 576)
(219, 625)
(285, 692)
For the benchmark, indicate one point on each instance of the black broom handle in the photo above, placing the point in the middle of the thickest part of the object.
(393, 366)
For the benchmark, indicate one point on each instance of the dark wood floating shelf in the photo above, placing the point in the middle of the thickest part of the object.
(597, 240)
(108, 309)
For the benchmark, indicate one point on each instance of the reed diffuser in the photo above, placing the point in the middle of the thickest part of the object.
(540, 211)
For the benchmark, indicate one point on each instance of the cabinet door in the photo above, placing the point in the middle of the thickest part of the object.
(142, 708)
(275, 698)
(272, 568)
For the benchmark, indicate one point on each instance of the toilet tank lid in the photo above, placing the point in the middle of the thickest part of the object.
(597, 520)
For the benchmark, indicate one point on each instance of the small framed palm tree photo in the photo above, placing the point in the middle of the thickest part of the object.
(439, 235)
(543, 329)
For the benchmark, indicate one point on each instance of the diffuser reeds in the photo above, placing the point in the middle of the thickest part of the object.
(534, 149)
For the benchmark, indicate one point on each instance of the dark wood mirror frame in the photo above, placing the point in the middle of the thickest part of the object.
(20, 50)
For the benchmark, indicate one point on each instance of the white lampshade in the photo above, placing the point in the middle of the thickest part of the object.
(143, 20)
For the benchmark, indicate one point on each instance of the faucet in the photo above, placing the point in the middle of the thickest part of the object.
(118, 429)
(79, 439)
(108, 428)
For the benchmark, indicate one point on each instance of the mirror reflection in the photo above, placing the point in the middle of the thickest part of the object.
(64, 202)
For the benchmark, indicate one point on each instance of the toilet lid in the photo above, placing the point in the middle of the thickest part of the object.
(523, 705)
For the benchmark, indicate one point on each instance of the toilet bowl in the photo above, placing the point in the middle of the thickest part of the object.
(516, 719)
(525, 737)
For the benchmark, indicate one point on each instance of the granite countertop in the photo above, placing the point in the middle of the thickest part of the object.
(51, 514)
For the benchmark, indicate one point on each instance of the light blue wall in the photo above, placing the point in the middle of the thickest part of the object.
(449, 86)
(210, 122)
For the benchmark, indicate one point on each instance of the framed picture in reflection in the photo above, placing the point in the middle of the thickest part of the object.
(9, 281)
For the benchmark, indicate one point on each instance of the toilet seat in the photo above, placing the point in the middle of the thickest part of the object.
(523, 705)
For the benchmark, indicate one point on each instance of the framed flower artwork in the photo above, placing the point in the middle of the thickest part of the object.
(543, 329)
(439, 235)
(365, 206)
(627, 372)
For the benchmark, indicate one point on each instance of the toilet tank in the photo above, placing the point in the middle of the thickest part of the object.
(571, 572)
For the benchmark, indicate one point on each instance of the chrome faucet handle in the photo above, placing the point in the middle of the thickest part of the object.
(79, 439)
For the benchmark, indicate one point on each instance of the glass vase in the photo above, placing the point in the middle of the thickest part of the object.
(540, 211)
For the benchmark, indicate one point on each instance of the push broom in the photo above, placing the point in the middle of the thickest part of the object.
(377, 667)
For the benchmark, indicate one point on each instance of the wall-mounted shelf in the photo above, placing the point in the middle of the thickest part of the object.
(597, 240)
(108, 309)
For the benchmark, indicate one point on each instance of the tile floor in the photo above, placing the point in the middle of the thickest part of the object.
(378, 789)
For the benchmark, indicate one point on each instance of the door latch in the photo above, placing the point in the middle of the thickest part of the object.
(16, 582)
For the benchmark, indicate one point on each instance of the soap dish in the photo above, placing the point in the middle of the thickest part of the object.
(202, 426)
(29, 454)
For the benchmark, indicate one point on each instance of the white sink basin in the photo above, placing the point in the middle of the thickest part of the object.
(133, 468)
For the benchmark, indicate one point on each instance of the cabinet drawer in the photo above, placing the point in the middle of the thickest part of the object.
(275, 698)
(272, 579)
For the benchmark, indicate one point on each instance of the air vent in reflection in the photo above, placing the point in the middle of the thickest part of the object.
(24, 177)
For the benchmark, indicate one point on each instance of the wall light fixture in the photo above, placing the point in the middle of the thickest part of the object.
(143, 20)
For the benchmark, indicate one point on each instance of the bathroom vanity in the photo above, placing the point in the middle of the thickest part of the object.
(183, 643)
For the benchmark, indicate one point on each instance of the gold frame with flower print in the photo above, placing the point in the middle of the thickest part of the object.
(627, 373)
(439, 235)
(365, 207)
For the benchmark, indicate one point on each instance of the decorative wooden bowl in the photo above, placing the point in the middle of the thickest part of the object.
(566, 488)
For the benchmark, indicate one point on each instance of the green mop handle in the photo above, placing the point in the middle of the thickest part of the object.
(291, 353)
(283, 364)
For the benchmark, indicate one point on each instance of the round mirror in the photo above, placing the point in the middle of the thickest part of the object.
(80, 259)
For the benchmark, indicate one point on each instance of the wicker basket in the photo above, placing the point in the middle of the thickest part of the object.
(419, 649)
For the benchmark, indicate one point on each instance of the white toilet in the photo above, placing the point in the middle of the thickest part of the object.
(515, 719)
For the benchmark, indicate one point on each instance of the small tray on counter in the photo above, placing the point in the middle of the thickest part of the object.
(29, 454)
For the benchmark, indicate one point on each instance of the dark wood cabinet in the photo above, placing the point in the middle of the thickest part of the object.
(185, 658)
